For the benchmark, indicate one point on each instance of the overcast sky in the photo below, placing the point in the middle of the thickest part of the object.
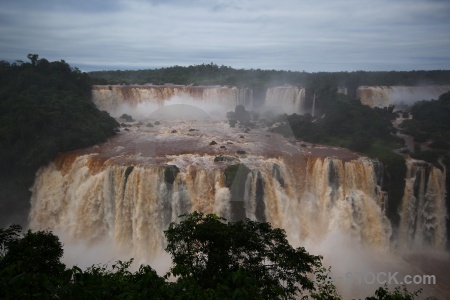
(310, 35)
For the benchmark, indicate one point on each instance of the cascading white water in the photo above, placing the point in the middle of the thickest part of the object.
(290, 99)
(112, 98)
(423, 212)
(90, 199)
(117, 198)
(313, 112)
(382, 96)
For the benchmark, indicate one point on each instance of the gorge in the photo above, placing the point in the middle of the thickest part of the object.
(125, 192)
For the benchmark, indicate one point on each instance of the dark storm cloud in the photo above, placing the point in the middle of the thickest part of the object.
(296, 35)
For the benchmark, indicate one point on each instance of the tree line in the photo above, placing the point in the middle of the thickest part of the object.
(211, 259)
(259, 80)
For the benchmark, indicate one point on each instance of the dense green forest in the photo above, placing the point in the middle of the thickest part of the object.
(259, 80)
(211, 74)
(45, 108)
(211, 259)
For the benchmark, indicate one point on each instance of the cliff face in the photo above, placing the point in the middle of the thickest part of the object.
(382, 96)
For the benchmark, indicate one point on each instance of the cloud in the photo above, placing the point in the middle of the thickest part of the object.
(297, 35)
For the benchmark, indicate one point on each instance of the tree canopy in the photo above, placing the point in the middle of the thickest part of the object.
(212, 259)
(244, 259)
(45, 108)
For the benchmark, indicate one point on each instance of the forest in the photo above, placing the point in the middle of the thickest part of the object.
(45, 108)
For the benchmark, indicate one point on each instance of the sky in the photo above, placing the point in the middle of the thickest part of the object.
(296, 35)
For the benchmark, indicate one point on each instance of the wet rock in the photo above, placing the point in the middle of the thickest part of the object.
(213, 143)
(174, 131)
(222, 158)
(170, 173)
(157, 123)
(235, 178)
(126, 129)
(232, 122)
(128, 171)
(241, 114)
(241, 137)
(192, 129)
(229, 143)
(223, 147)
(241, 152)
(149, 125)
(127, 118)
(276, 173)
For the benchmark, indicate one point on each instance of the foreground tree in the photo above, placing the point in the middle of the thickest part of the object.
(383, 293)
(244, 259)
(212, 259)
(30, 266)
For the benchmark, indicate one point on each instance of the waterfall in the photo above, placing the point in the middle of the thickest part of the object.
(290, 99)
(383, 96)
(314, 106)
(90, 198)
(111, 98)
(423, 211)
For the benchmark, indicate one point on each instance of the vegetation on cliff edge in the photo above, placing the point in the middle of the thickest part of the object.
(45, 108)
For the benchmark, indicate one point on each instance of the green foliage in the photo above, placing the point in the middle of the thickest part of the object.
(398, 293)
(8, 236)
(214, 74)
(430, 121)
(212, 259)
(116, 282)
(346, 123)
(259, 80)
(244, 257)
(45, 108)
(30, 266)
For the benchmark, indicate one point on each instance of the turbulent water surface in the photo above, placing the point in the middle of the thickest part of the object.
(115, 199)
